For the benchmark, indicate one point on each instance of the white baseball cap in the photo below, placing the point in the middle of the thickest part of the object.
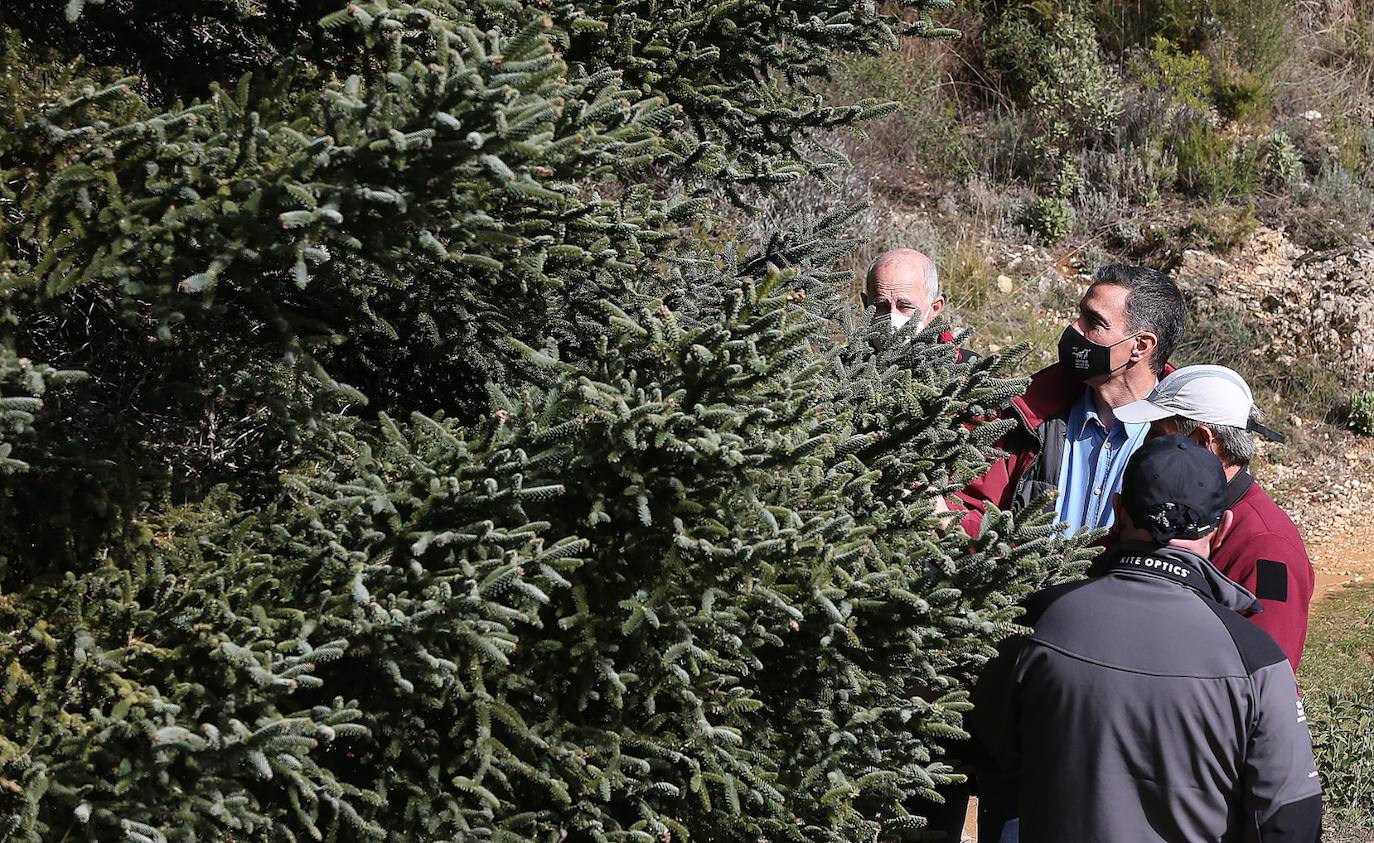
(1206, 394)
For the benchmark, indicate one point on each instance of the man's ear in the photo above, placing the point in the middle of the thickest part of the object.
(937, 305)
(1228, 520)
(1209, 440)
(1145, 345)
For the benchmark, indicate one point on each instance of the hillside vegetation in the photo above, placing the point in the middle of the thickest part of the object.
(1053, 136)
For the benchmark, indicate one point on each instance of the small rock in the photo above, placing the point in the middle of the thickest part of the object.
(1312, 116)
(1004, 283)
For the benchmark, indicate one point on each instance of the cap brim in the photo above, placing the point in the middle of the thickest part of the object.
(1271, 435)
(1142, 411)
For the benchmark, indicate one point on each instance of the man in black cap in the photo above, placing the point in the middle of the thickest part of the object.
(1144, 707)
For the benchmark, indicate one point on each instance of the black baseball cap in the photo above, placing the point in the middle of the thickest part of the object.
(1174, 488)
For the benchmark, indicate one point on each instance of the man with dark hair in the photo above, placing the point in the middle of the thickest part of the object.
(1262, 550)
(1143, 707)
(1067, 437)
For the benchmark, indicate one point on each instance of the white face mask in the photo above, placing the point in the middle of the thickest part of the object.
(897, 320)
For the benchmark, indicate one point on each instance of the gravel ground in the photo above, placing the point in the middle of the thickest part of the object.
(1326, 482)
(1338, 833)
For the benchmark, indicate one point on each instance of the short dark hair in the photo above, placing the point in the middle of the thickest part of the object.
(1154, 303)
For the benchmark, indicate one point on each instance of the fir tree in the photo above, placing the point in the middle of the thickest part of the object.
(405, 470)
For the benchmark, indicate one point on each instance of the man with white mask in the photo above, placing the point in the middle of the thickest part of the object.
(902, 285)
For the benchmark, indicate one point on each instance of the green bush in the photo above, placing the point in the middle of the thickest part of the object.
(1353, 135)
(1360, 412)
(925, 128)
(1339, 699)
(1049, 218)
(1337, 209)
(1183, 78)
(1258, 33)
(1049, 59)
(1237, 92)
(1282, 163)
(1255, 36)
(1215, 165)
(1140, 174)
(1343, 739)
(1127, 24)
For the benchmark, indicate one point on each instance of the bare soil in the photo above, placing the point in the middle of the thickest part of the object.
(1327, 485)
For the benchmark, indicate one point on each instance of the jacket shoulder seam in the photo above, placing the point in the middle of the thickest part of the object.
(1134, 670)
(1252, 651)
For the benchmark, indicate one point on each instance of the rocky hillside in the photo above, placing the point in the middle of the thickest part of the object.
(1303, 303)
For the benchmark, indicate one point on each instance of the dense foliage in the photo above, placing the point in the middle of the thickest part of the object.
(387, 456)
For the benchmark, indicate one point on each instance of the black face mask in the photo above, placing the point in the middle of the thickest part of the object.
(1082, 358)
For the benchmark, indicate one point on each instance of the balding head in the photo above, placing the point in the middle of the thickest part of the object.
(903, 284)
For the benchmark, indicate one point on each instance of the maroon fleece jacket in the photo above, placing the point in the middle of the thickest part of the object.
(1265, 555)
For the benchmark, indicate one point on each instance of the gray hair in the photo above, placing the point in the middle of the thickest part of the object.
(931, 275)
(1237, 444)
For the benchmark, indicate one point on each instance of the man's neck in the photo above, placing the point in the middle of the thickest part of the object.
(1198, 547)
(1132, 384)
(1231, 471)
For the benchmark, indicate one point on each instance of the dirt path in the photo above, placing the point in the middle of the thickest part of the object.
(1329, 491)
(1343, 558)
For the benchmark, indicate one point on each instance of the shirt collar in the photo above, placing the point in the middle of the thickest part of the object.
(1086, 411)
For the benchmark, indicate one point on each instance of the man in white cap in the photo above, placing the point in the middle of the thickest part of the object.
(1262, 550)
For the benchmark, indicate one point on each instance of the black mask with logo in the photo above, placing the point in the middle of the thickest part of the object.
(1082, 358)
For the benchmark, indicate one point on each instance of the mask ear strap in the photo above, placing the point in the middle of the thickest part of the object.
(1123, 339)
(1119, 342)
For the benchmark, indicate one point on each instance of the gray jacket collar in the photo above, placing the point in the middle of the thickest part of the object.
(1180, 566)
